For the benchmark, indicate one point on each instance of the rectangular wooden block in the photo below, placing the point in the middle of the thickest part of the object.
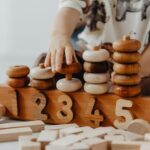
(58, 127)
(13, 134)
(36, 126)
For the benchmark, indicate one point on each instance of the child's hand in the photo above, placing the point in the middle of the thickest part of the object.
(60, 48)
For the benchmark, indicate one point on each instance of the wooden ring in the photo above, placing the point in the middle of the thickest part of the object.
(96, 56)
(127, 45)
(126, 68)
(69, 85)
(96, 78)
(18, 71)
(126, 57)
(126, 91)
(96, 88)
(18, 82)
(42, 84)
(126, 79)
(101, 67)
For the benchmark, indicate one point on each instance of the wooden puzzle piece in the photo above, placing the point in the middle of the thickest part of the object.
(13, 134)
(121, 112)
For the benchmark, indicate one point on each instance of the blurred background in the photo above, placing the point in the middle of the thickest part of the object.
(24, 31)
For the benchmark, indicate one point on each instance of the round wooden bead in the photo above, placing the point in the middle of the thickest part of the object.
(96, 77)
(126, 91)
(126, 79)
(96, 88)
(127, 45)
(126, 57)
(41, 73)
(18, 71)
(126, 68)
(101, 67)
(42, 84)
(96, 56)
(18, 82)
(69, 85)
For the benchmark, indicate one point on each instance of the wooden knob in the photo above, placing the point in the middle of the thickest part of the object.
(69, 85)
(18, 71)
(2, 110)
(126, 44)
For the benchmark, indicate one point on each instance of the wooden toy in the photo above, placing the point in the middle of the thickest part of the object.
(58, 127)
(96, 88)
(18, 71)
(114, 137)
(139, 126)
(126, 69)
(126, 80)
(13, 134)
(126, 57)
(2, 111)
(126, 114)
(147, 137)
(96, 56)
(96, 78)
(99, 67)
(69, 84)
(36, 126)
(127, 45)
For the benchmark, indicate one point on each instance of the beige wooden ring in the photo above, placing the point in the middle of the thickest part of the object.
(18, 71)
(126, 68)
(126, 91)
(96, 77)
(96, 88)
(42, 84)
(18, 82)
(126, 57)
(139, 126)
(69, 85)
(127, 45)
(126, 79)
(41, 73)
(96, 56)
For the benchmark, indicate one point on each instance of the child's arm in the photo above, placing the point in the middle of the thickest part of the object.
(60, 44)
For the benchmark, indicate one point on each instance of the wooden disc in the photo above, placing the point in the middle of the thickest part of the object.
(96, 88)
(126, 57)
(126, 69)
(96, 78)
(126, 91)
(126, 79)
(42, 84)
(101, 67)
(69, 85)
(18, 82)
(18, 71)
(127, 45)
(96, 56)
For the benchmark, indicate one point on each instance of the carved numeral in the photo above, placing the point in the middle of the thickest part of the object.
(126, 115)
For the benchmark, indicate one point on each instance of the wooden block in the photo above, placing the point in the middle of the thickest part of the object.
(139, 126)
(36, 126)
(121, 112)
(147, 136)
(58, 127)
(114, 137)
(2, 111)
(145, 146)
(29, 143)
(13, 134)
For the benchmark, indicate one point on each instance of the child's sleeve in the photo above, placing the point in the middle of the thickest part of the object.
(75, 4)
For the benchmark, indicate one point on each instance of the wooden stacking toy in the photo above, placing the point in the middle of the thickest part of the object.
(18, 76)
(126, 67)
(42, 78)
(96, 73)
(69, 84)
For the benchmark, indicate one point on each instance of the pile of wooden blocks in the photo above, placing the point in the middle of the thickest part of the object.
(71, 137)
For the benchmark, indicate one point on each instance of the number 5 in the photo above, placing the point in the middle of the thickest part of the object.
(126, 114)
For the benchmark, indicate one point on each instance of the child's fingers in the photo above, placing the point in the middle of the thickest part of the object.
(47, 61)
(53, 54)
(69, 55)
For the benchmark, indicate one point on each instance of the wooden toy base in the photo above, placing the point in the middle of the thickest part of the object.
(56, 107)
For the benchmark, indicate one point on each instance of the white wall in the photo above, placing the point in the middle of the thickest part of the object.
(24, 30)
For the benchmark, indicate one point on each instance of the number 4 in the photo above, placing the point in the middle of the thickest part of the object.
(121, 112)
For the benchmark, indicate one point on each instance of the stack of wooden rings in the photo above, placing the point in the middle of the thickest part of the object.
(42, 78)
(126, 67)
(69, 84)
(18, 76)
(96, 68)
